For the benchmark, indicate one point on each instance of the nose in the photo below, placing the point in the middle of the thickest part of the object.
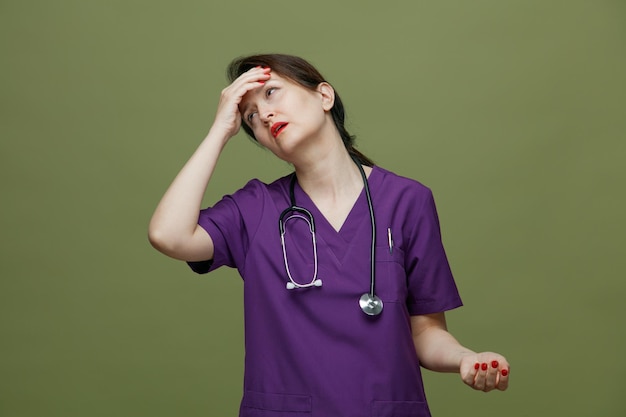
(266, 115)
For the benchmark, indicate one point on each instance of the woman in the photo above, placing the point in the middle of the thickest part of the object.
(323, 337)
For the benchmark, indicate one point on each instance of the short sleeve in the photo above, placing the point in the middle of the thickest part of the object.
(230, 223)
(431, 284)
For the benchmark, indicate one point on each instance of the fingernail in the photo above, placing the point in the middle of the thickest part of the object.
(261, 82)
(484, 366)
(477, 366)
(494, 364)
(504, 372)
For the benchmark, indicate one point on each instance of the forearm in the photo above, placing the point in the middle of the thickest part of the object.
(439, 351)
(176, 216)
(173, 229)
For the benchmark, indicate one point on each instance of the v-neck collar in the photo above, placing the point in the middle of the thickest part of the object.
(358, 218)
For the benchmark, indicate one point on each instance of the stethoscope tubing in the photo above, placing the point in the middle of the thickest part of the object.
(373, 222)
(369, 302)
(292, 282)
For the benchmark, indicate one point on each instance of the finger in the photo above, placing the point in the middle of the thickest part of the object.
(240, 87)
(468, 375)
(253, 75)
(492, 374)
(233, 94)
(481, 377)
(503, 382)
(246, 82)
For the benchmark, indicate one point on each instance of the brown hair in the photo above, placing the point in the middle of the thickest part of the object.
(303, 73)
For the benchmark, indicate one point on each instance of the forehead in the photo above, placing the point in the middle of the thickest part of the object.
(257, 93)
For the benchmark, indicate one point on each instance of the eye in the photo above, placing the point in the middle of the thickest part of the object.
(250, 116)
(270, 91)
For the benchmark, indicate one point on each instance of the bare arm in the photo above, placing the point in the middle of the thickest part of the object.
(174, 229)
(439, 351)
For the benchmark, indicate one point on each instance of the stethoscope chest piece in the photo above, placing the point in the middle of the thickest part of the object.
(371, 304)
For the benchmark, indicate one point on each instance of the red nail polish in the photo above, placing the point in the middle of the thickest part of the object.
(477, 366)
(484, 366)
(261, 82)
(494, 364)
(504, 372)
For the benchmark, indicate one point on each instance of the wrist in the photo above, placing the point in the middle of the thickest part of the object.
(462, 354)
(218, 135)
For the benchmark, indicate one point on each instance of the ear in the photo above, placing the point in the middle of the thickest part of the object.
(327, 93)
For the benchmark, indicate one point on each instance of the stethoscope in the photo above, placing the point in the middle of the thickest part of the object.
(369, 302)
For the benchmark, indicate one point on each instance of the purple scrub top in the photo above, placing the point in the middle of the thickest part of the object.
(312, 351)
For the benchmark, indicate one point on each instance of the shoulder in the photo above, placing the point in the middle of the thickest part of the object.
(404, 199)
(399, 186)
(257, 190)
(246, 206)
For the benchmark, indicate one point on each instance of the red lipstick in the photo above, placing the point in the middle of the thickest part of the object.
(277, 128)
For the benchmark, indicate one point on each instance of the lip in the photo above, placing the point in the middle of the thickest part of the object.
(277, 128)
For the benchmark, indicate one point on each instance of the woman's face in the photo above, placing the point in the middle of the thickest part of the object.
(284, 115)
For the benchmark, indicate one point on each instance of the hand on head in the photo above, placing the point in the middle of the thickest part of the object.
(228, 117)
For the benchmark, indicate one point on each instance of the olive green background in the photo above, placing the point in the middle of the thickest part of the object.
(513, 112)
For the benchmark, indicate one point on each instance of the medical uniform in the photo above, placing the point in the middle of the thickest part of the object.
(312, 351)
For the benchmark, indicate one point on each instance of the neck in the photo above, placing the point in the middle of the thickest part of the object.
(331, 176)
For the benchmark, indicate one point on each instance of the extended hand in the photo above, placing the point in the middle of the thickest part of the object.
(485, 371)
